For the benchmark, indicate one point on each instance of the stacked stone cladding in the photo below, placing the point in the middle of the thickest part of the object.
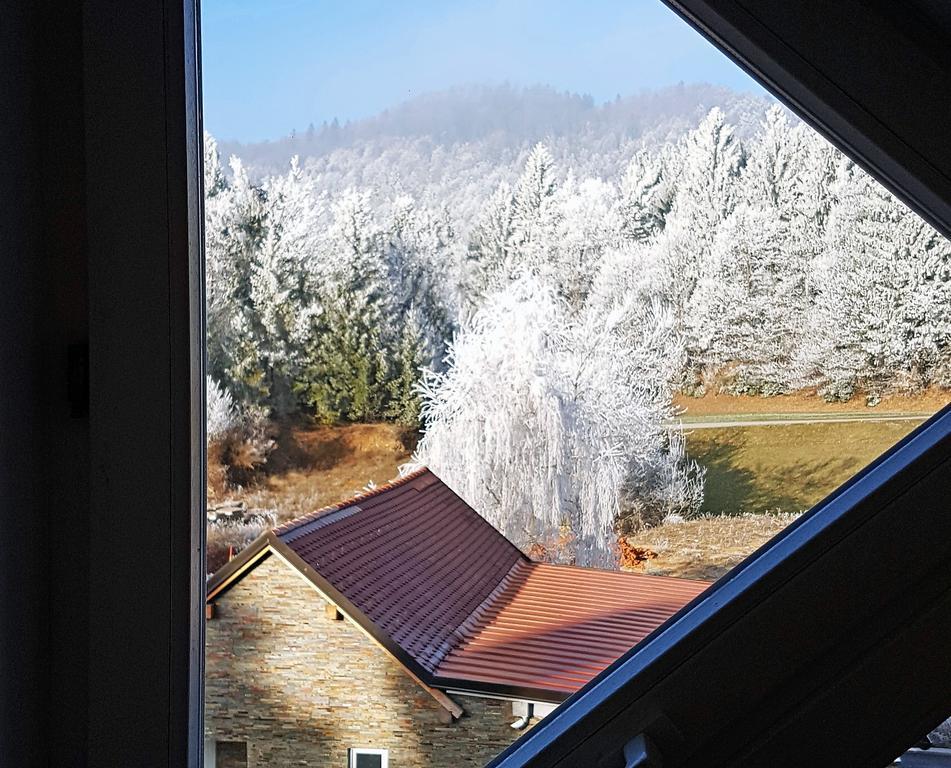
(301, 688)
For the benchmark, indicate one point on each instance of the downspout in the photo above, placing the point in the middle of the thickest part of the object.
(524, 720)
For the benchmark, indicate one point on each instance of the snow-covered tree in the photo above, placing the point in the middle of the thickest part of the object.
(774, 166)
(490, 259)
(534, 212)
(645, 197)
(750, 305)
(710, 161)
(547, 425)
(585, 227)
(422, 262)
(235, 228)
(283, 282)
(345, 368)
(884, 284)
(706, 189)
(220, 411)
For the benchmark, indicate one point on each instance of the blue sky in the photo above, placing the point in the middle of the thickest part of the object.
(274, 65)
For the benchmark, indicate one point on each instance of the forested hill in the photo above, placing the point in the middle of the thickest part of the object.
(542, 312)
(496, 125)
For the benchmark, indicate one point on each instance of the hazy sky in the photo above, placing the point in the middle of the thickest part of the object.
(274, 65)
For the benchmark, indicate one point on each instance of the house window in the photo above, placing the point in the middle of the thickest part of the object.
(368, 758)
(229, 754)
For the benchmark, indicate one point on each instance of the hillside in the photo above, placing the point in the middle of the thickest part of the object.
(309, 467)
(315, 466)
(495, 124)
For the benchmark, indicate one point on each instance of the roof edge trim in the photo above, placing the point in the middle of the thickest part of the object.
(232, 571)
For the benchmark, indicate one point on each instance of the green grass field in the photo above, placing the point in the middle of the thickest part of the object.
(785, 467)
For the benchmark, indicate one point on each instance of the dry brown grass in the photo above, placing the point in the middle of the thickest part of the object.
(314, 466)
(713, 404)
(704, 548)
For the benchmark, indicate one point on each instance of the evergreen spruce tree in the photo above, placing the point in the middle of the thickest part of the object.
(710, 161)
(344, 373)
(752, 303)
(534, 214)
(236, 224)
(644, 198)
(489, 259)
(405, 371)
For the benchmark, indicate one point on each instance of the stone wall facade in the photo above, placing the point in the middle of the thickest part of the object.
(301, 688)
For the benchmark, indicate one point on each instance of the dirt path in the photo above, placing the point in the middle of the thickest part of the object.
(775, 419)
(714, 406)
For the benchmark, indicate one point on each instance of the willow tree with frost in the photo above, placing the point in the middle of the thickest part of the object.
(546, 425)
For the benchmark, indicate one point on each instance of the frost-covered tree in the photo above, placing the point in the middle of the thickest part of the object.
(707, 190)
(261, 246)
(585, 228)
(710, 161)
(490, 261)
(774, 166)
(380, 312)
(534, 212)
(283, 281)
(235, 228)
(545, 423)
(645, 197)
(884, 283)
(750, 305)
(345, 368)
(220, 412)
(420, 252)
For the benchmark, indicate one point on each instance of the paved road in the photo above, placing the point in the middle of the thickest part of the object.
(806, 418)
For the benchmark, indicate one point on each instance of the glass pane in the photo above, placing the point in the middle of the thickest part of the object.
(230, 754)
(527, 322)
(369, 761)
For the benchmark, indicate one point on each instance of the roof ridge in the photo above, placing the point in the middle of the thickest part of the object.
(396, 482)
(465, 630)
(621, 572)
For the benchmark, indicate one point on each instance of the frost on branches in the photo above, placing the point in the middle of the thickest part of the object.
(576, 283)
(546, 425)
(220, 412)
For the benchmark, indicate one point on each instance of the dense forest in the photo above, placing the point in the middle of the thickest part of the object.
(535, 316)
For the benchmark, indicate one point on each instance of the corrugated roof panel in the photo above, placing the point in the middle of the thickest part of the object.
(555, 627)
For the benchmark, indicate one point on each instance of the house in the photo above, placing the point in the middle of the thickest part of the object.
(400, 626)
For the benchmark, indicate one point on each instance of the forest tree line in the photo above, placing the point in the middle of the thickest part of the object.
(539, 340)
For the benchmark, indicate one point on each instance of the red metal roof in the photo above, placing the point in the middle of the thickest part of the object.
(432, 576)
(411, 555)
(555, 627)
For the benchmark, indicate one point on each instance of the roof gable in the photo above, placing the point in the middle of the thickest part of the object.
(412, 556)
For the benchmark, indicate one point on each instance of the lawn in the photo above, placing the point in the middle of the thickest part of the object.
(785, 467)
(758, 481)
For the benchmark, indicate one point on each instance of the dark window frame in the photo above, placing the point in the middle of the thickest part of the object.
(142, 154)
